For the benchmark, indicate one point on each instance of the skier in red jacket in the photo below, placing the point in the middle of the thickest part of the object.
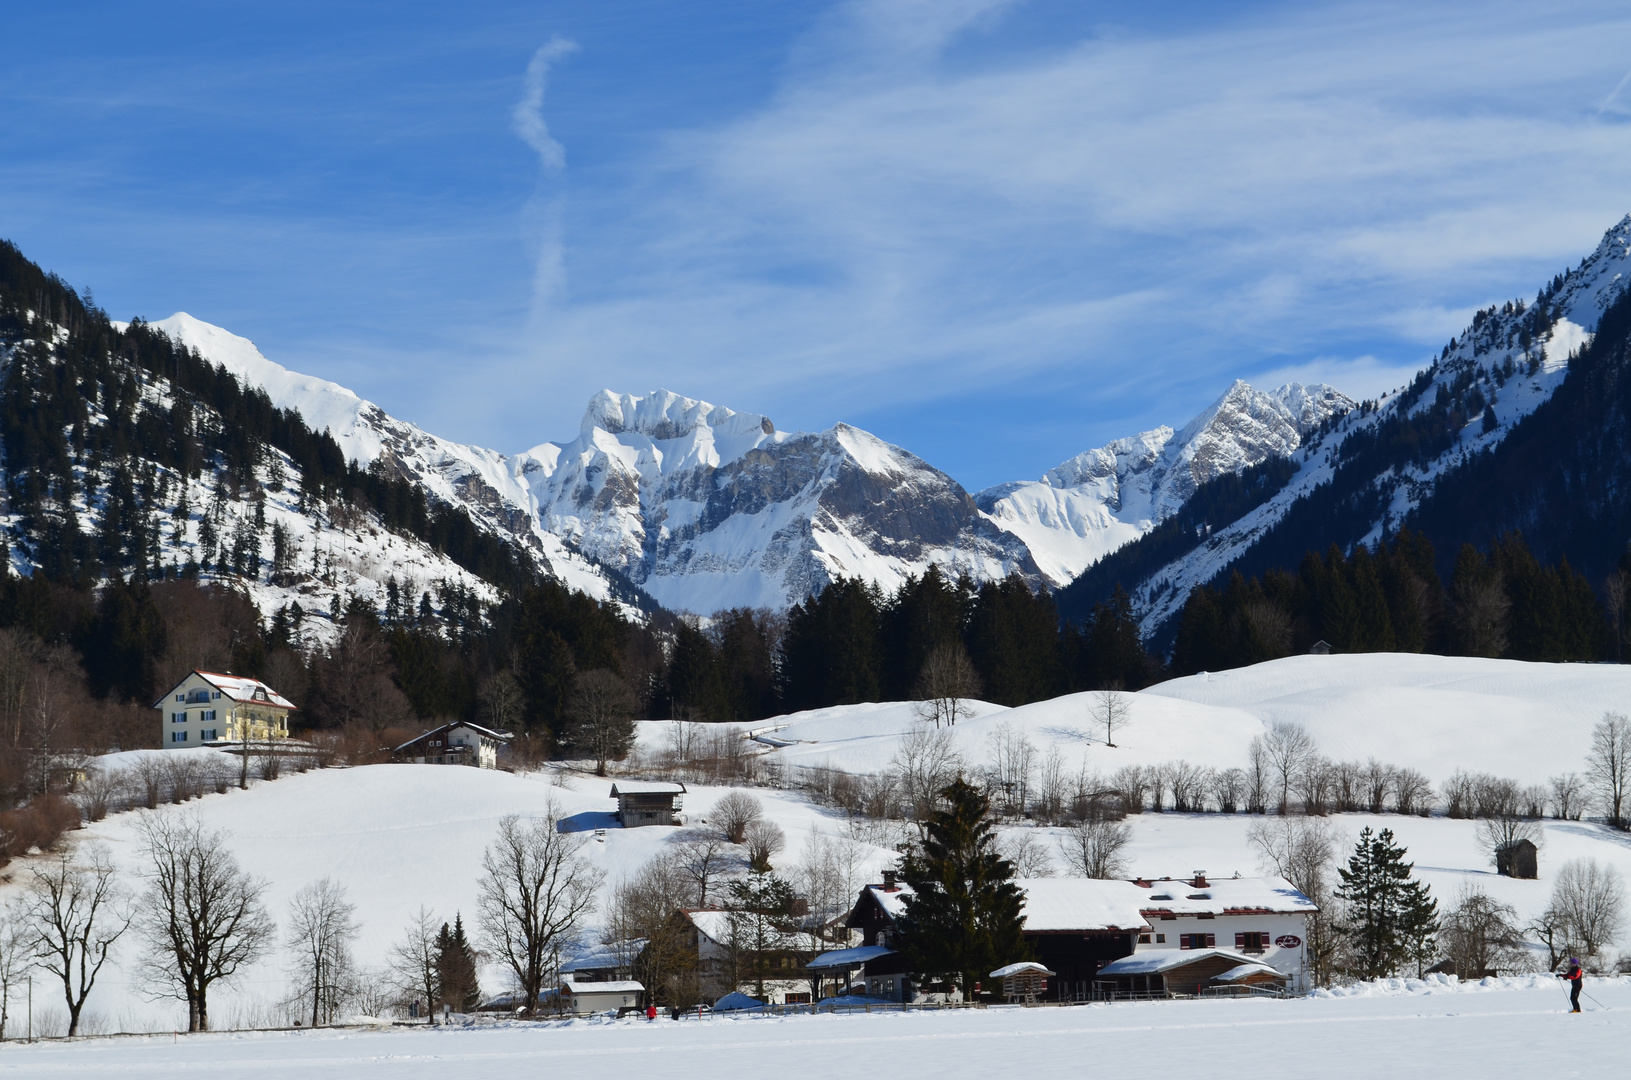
(1575, 976)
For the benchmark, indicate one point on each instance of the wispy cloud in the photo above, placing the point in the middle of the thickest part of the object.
(544, 208)
(1164, 210)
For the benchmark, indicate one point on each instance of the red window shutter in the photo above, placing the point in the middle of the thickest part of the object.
(1211, 940)
(1240, 941)
(1183, 941)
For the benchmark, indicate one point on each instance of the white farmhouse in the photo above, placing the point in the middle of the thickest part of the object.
(1263, 918)
(208, 706)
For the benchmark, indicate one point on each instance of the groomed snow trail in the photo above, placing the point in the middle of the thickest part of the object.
(1517, 1029)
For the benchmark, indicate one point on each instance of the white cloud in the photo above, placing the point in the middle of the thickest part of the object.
(1359, 377)
(1169, 209)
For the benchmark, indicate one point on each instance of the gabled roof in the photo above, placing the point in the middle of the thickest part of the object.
(1246, 971)
(489, 733)
(622, 986)
(1225, 896)
(1077, 904)
(646, 787)
(1153, 963)
(716, 925)
(238, 688)
(848, 958)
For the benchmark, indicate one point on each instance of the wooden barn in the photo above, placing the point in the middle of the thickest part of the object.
(1518, 859)
(648, 803)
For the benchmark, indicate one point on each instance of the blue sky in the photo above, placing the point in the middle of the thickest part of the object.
(994, 233)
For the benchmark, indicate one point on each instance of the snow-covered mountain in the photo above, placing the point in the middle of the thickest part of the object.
(477, 479)
(706, 508)
(1099, 500)
(703, 507)
(1380, 462)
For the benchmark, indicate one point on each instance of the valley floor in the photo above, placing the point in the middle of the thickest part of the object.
(1507, 1027)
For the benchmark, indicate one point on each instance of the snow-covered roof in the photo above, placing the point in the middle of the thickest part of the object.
(1060, 904)
(237, 688)
(1222, 896)
(646, 787)
(486, 733)
(893, 901)
(1151, 963)
(717, 926)
(1246, 971)
(848, 958)
(621, 986)
(608, 955)
(1029, 966)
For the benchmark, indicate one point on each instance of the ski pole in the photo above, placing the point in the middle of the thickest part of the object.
(1593, 1000)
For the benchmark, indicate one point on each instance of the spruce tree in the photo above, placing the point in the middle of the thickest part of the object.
(1390, 917)
(456, 968)
(965, 915)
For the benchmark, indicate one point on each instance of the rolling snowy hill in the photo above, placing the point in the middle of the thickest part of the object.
(398, 836)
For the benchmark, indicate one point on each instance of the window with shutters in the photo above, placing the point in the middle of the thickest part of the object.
(178, 736)
(1252, 941)
(1197, 941)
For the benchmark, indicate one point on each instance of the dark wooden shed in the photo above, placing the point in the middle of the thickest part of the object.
(648, 803)
(1518, 859)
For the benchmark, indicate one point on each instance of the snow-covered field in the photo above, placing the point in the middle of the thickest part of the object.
(1511, 1028)
(401, 836)
(1432, 713)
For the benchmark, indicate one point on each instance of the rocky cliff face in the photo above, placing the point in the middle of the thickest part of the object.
(706, 508)
(1099, 500)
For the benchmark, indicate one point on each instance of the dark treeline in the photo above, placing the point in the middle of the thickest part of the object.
(853, 643)
(1392, 599)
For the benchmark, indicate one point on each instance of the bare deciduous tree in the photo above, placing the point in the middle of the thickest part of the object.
(945, 684)
(1288, 747)
(1303, 851)
(1608, 766)
(1011, 756)
(16, 954)
(413, 963)
(1480, 935)
(534, 893)
(202, 918)
(765, 840)
(925, 762)
(1378, 783)
(703, 856)
(734, 813)
(502, 701)
(77, 911)
(1567, 796)
(1112, 711)
(1588, 902)
(1132, 783)
(643, 910)
(322, 925)
(1026, 850)
(1094, 847)
(1412, 793)
(602, 713)
(1229, 788)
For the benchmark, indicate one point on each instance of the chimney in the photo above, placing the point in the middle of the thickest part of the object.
(889, 881)
(1200, 879)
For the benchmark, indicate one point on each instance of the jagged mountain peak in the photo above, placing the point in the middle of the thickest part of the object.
(662, 415)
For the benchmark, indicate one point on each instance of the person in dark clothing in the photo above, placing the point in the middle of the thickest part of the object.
(1575, 977)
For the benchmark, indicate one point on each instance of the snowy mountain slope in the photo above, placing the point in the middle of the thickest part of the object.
(1102, 499)
(707, 508)
(1354, 481)
(476, 479)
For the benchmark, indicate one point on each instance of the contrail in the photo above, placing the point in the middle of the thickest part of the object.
(529, 111)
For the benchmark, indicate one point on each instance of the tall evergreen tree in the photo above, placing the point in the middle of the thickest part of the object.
(456, 980)
(1390, 917)
(965, 915)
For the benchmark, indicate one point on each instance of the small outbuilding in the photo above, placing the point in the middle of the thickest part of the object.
(646, 802)
(584, 998)
(1320, 648)
(1518, 859)
(1248, 979)
(1024, 982)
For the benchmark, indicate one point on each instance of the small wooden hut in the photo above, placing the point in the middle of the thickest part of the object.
(1518, 859)
(1023, 982)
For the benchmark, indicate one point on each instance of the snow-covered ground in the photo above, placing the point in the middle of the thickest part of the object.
(1508, 1028)
(1432, 713)
(401, 836)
